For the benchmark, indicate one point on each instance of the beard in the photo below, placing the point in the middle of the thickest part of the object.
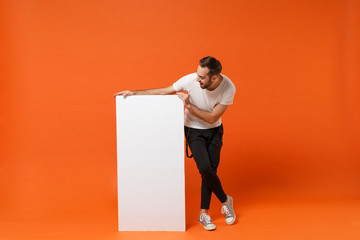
(206, 86)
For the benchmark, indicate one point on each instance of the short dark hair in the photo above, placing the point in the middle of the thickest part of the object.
(212, 64)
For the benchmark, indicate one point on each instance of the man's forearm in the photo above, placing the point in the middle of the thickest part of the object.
(155, 91)
(203, 115)
(210, 117)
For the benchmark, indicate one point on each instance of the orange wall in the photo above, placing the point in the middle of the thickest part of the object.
(293, 129)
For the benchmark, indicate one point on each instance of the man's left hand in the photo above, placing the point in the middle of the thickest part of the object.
(185, 98)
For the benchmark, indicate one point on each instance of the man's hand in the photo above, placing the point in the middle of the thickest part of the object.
(124, 93)
(185, 98)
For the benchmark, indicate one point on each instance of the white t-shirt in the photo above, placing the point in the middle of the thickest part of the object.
(204, 99)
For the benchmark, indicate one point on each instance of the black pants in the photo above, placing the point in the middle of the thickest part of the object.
(205, 145)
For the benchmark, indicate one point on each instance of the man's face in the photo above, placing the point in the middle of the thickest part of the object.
(203, 77)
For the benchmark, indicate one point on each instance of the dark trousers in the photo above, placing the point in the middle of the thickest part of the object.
(205, 145)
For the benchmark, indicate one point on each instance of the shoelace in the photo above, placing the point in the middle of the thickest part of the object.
(206, 218)
(225, 210)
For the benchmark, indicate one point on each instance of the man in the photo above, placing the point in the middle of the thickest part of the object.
(208, 95)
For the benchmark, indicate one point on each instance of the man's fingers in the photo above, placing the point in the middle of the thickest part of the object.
(180, 94)
(123, 93)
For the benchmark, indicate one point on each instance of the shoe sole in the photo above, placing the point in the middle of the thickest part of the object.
(208, 228)
(230, 223)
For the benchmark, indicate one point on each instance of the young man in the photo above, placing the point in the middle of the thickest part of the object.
(208, 95)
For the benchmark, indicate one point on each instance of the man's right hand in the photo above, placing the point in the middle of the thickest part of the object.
(124, 93)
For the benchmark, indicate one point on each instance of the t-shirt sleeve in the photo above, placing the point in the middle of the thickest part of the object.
(182, 83)
(228, 96)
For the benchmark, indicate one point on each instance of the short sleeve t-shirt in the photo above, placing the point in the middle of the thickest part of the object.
(204, 99)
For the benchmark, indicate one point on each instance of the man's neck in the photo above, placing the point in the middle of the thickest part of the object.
(215, 83)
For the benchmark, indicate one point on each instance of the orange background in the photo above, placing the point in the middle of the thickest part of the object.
(292, 132)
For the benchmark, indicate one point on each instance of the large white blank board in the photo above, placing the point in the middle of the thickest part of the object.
(150, 163)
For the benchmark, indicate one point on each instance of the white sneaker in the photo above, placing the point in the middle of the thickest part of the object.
(205, 220)
(228, 211)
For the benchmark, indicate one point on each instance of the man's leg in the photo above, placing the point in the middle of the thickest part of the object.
(214, 149)
(205, 195)
(198, 148)
(199, 141)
